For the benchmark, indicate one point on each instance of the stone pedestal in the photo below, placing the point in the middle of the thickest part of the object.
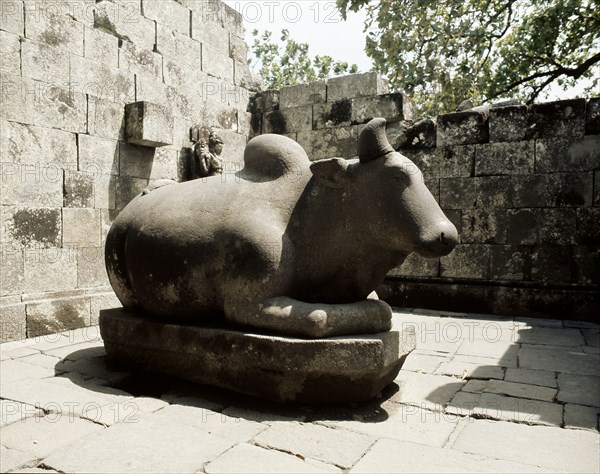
(337, 369)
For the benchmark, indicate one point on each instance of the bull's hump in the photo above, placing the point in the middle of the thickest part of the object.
(272, 156)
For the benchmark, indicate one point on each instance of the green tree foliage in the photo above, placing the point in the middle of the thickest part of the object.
(290, 63)
(444, 51)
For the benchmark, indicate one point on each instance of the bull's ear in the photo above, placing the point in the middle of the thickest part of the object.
(332, 172)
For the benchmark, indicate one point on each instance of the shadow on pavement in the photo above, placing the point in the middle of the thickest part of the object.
(90, 369)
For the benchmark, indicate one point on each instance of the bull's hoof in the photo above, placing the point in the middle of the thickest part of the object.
(338, 369)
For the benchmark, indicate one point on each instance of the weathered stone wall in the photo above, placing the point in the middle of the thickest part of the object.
(68, 68)
(521, 184)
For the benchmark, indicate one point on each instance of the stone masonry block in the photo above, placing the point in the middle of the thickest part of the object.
(552, 190)
(135, 160)
(101, 81)
(418, 134)
(332, 114)
(448, 162)
(44, 62)
(264, 101)
(48, 150)
(504, 158)
(563, 154)
(10, 49)
(12, 323)
(210, 32)
(101, 47)
(104, 191)
(217, 12)
(50, 22)
(596, 196)
(216, 63)
(396, 106)
(238, 49)
(303, 94)
(44, 104)
(12, 18)
(509, 124)
(458, 193)
(508, 262)
(494, 192)
(34, 185)
(592, 116)
(326, 143)
(417, 266)
(98, 156)
(81, 227)
(91, 269)
(78, 189)
(588, 226)
(106, 119)
(551, 264)
(178, 46)
(148, 124)
(462, 128)
(523, 226)
(30, 227)
(296, 119)
(244, 78)
(169, 13)
(557, 225)
(49, 317)
(49, 269)
(586, 262)
(565, 118)
(484, 226)
(12, 275)
(123, 20)
(142, 62)
(166, 163)
(127, 188)
(467, 261)
(356, 85)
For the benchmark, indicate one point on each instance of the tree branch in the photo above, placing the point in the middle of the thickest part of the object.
(575, 73)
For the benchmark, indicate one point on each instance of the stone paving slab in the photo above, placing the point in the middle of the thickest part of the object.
(42, 436)
(405, 423)
(550, 448)
(559, 361)
(146, 446)
(254, 459)
(581, 389)
(391, 456)
(460, 404)
(338, 447)
(582, 417)
(543, 378)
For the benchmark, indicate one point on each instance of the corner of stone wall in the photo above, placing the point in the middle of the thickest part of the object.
(68, 70)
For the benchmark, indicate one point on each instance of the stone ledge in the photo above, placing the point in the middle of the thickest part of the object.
(338, 369)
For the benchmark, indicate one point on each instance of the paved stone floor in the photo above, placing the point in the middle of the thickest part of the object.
(480, 394)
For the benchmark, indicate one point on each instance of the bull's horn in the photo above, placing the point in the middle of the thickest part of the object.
(373, 142)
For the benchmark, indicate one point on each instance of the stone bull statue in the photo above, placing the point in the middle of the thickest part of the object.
(287, 246)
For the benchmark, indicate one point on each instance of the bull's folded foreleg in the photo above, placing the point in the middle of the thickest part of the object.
(288, 316)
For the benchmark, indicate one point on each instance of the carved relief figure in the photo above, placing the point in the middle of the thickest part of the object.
(208, 161)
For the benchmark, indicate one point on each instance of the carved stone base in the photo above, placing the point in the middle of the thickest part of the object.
(338, 369)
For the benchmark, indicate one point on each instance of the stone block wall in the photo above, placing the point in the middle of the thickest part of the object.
(326, 117)
(520, 183)
(68, 69)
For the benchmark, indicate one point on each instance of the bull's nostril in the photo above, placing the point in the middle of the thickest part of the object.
(442, 237)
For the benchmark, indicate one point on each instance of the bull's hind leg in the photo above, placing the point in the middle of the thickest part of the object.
(288, 316)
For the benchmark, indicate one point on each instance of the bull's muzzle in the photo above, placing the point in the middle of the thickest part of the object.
(439, 240)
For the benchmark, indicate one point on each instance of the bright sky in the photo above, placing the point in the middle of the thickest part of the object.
(316, 22)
